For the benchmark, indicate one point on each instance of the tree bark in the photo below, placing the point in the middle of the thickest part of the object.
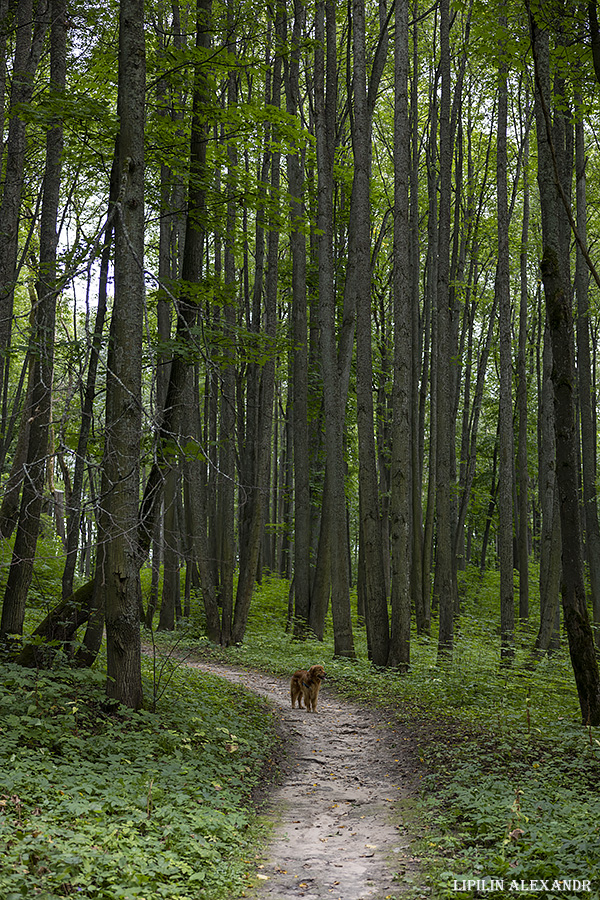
(120, 586)
(403, 435)
(29, 42)
(505, 412)
(560, 320)
(445, 576)
(370, 515)
(579, 632)
(584, 379)
(522, 466)
(325, 100)
(42, 352)
(302, 512)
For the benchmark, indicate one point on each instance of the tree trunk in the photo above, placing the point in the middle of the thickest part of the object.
(302, 593)
(9, 511)
(550, 539)
(403, 435)
(171, 586)
(505, 412)
(370, 516)
(445, 580)
(259, 491)
(584, 379)
(560, 320)
(226, 490)
(74, 502)
(29, 42)
(522, 468)
(124, 375)
(326, 37)
(42, 351)
(579, 632)
(422, 612)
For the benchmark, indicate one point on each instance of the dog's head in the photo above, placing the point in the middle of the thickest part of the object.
(317, 672)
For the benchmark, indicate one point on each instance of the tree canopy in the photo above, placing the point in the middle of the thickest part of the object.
(307, 288)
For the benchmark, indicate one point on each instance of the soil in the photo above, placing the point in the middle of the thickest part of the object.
(337, 807)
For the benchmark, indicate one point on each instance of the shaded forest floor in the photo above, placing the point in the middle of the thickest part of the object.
(345, 776)
(506, 780)
(491, 776)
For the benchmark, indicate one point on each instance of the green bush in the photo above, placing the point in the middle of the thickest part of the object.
(98, 801)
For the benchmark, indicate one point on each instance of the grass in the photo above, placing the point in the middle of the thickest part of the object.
(509, 779)
(100, 802)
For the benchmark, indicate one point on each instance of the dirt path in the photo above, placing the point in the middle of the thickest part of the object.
(337, 833)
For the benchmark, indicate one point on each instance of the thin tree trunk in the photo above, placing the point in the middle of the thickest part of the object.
(522, 468)
(42, 350)
(302, 512)
(124, 376)
(370, 516)
(422, 613)
(403, 436)
(29, 41)
(445, 581)
(505, 412)
(74, 503)
(9, 511)
(170, 591)
(584, 375)
(326, 37)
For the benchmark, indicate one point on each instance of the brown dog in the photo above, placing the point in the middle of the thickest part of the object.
(305, 686)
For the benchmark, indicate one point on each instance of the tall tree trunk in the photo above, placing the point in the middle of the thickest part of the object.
(370, 516)
(259, 492)
(403, 436)
(325, 100)
(124, 375)
(422, 613)
(522, 468)
(226, 489)
(445, 575)
(42, 351)
(584, 377)
(560, 319)
(429, 378)
(302, 512)
(505, 412)
(29, 41)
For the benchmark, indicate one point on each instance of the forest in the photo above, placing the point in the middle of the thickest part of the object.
(299, 362)
(305, 290)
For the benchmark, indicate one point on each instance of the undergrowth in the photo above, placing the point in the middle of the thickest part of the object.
(509, 779)
(100, 802)
(97, 801)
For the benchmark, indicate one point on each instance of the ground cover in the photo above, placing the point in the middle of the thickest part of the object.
(99, 802)
(96, 801)
(510, 781)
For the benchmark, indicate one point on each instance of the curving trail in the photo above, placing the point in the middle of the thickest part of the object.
(337, 833)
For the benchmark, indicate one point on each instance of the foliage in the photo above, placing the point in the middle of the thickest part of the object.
(98, 801)
(508, 780)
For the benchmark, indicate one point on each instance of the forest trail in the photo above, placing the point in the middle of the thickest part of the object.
(337, 831)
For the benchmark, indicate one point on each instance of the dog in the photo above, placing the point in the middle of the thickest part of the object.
(305, 686)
